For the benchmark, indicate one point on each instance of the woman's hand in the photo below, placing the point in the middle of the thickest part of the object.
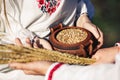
(35, 68)
(32, 68)
(84, 22)
(106, 55)
(37, 43)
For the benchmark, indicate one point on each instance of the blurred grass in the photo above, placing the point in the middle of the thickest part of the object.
(108, 20)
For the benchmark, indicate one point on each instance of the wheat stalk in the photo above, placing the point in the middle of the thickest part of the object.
(11, 53)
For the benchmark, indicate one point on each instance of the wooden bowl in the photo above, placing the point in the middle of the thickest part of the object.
(73, 40)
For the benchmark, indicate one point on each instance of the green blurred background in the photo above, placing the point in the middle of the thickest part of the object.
(107, 18)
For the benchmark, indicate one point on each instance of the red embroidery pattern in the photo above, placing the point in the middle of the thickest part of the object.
(48, 6)
(53, 70)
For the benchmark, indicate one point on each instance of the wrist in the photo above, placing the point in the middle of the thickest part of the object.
(82, 20)
(46, 68)
(51, 70)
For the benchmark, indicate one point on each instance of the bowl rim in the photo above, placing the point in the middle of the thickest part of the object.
(62, 45)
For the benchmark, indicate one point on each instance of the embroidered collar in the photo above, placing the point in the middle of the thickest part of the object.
(48, 6)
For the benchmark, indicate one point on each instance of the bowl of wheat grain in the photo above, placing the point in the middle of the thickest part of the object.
(73, 40)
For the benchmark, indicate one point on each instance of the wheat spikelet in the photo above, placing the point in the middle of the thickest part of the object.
(11, 53)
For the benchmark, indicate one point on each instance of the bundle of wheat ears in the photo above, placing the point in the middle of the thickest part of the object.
(11, 53)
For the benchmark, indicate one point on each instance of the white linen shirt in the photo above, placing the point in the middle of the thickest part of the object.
(27, 20)
(92, 72)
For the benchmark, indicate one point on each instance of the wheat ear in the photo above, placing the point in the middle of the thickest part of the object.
(11, 53)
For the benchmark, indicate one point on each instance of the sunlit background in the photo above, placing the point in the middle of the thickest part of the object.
(107, 17)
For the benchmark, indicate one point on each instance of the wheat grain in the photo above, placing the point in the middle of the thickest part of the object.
(71, 36)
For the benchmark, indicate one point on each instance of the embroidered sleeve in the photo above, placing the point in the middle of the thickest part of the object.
(48, 6)
(51, 70)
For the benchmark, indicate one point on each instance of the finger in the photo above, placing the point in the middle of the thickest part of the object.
(30, 72)
(27, 68)
(36, 43)
(28, 42)
(97, 62)
(18, 42)
(92, 29)
(100, 39)
(96, 32)
(21, 66)
(45, 44)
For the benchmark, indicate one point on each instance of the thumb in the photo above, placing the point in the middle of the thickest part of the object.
(31, 72)
(95, 57)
